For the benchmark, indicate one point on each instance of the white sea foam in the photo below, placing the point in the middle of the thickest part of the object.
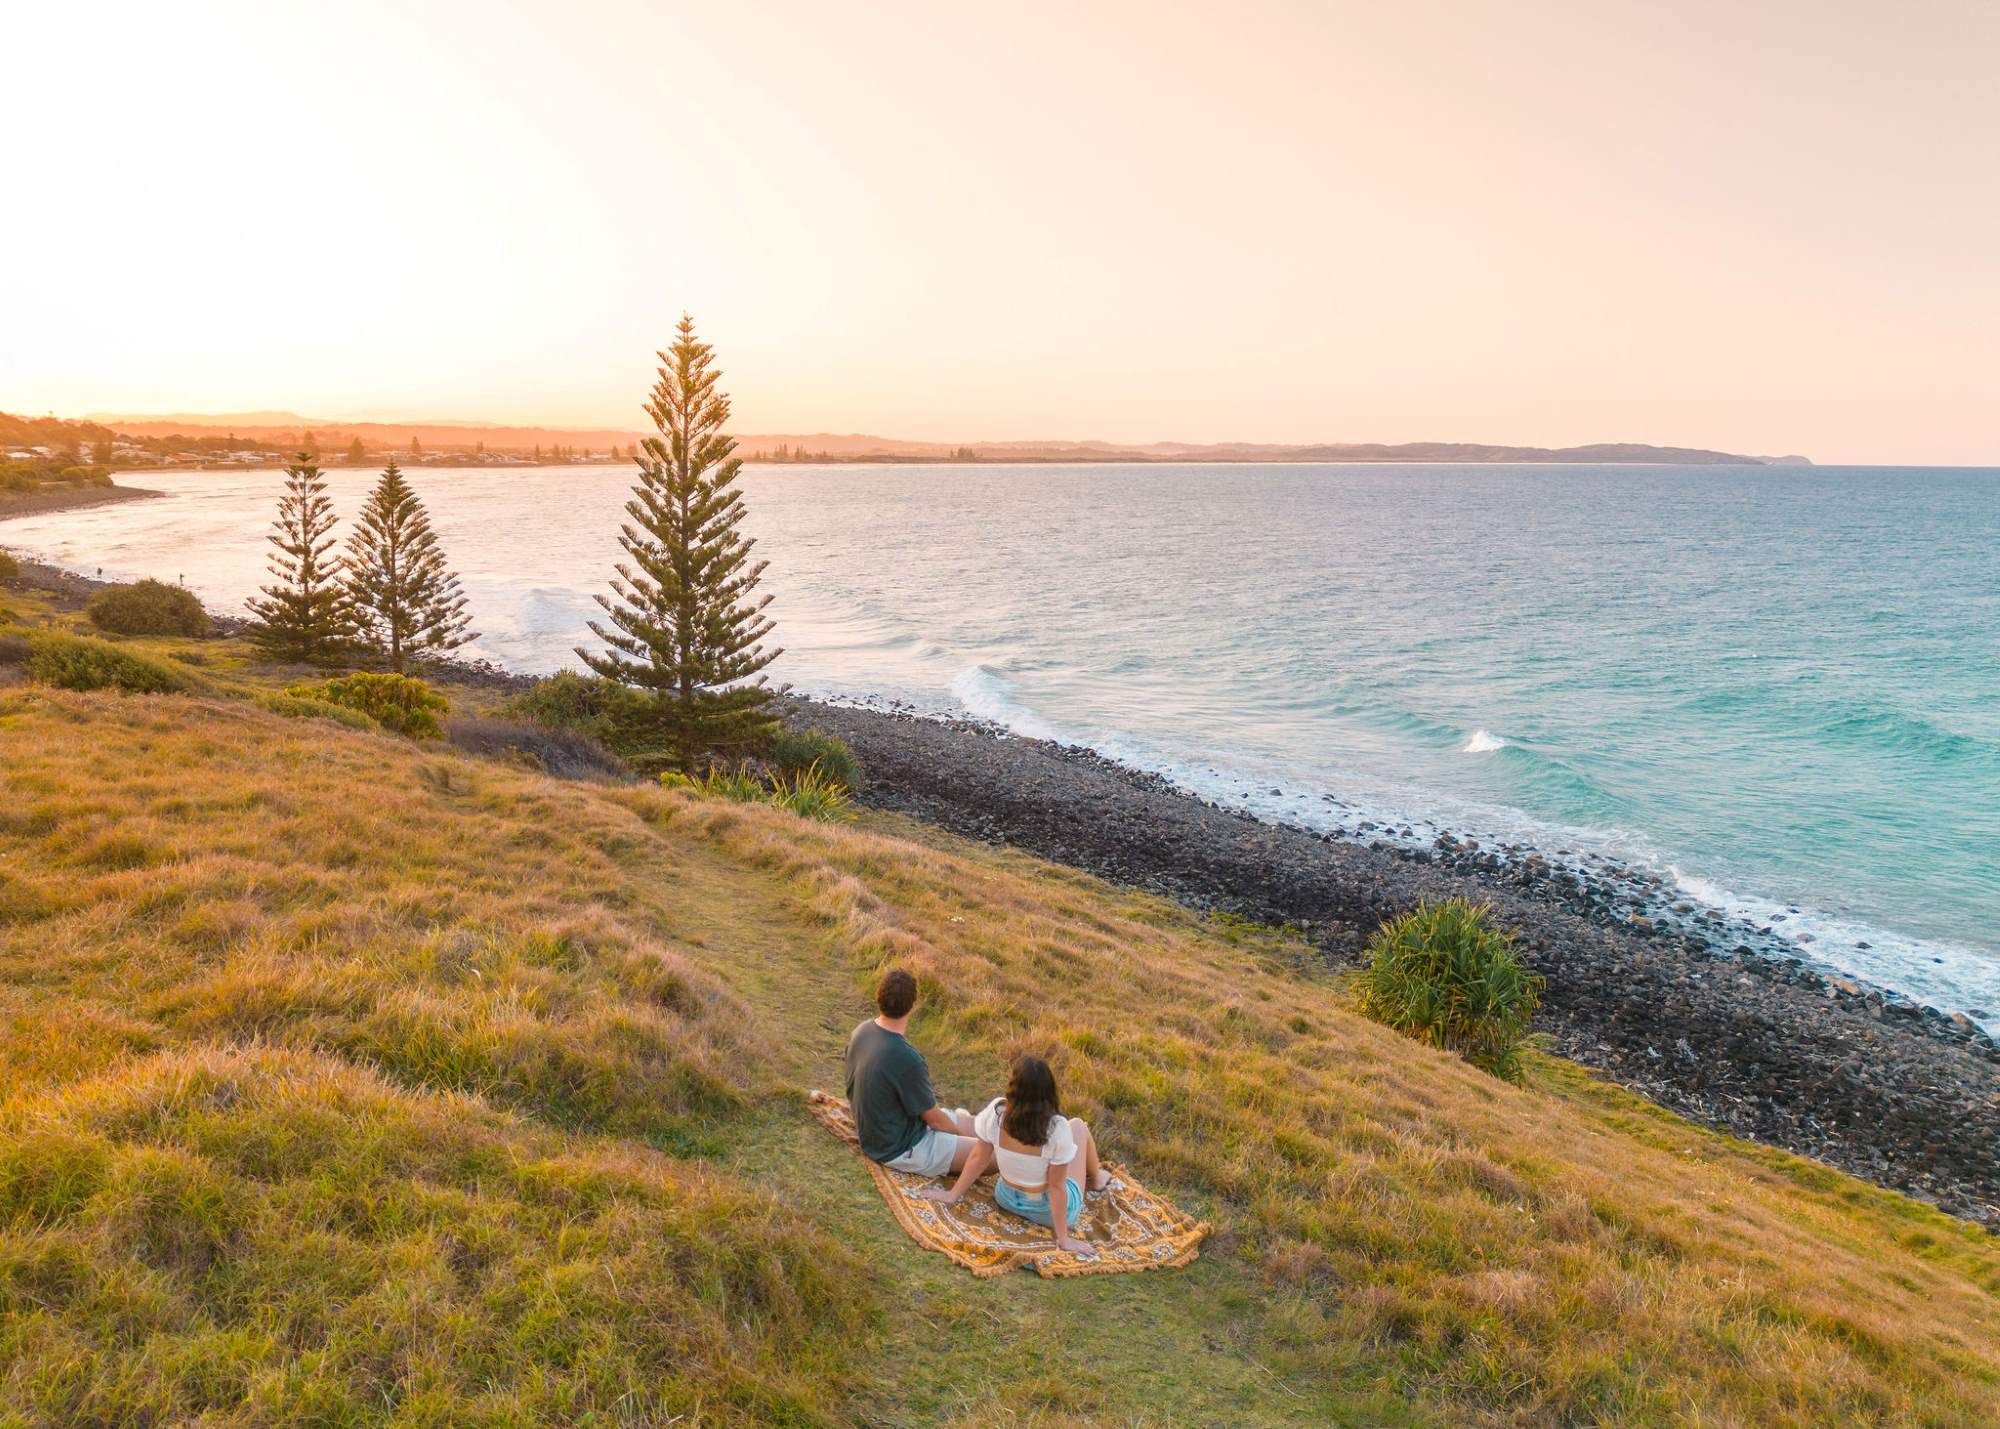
(1944, 974)
(988, 696)
(1483, 742)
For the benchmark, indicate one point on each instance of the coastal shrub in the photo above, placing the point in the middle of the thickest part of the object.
(1446, 975)
(87, 475)
(10, 569)
(583, 703)
(793, 751)
(396, 702)
(302, 707)
(15, 646)
(74, 662)
(812, 793)
(147, 607)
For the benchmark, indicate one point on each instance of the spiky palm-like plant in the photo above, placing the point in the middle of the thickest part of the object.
(1446, 975)
(686, 625)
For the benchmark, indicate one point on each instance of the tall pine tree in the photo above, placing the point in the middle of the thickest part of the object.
(685, 622)
(406, 601)
(305, 614)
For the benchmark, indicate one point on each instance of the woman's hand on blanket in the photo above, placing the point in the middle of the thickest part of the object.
(938, 1193)
(1081, 1249)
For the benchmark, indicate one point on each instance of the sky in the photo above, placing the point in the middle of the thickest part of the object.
(1754, 225)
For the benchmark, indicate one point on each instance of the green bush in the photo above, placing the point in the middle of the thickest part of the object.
(87, 475)
(396, 702)
(10, 569)
(19, 476)
(148, 607)
(567, 700)
(300, 707)
(73, 662)
(1446, 975)
(794, 751)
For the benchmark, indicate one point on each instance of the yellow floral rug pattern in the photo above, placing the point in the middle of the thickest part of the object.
(1127, 1226)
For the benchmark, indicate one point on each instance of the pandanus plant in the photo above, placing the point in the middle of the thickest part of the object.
(1445, 974)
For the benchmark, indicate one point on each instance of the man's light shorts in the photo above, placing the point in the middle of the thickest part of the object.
(932, 1154)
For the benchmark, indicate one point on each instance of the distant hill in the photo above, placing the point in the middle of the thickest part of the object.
(285, 428)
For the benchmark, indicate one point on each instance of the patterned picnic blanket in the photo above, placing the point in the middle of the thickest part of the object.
(1129, 1227)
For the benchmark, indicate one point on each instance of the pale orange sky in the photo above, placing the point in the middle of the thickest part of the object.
(1765, 227)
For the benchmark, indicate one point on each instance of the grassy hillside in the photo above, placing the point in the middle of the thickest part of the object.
(352, 1081)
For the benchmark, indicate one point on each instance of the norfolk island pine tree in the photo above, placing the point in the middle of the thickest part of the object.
(685, 624)
(406, 601)
(305, 613)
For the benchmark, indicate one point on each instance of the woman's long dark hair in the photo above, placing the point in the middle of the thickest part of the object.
(1031, 1101)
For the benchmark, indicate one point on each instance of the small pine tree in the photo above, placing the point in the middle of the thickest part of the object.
(355, 453)
(686, 624)
(406, 601)
(305, 614)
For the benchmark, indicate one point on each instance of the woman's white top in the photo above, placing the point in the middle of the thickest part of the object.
(1027, 1170)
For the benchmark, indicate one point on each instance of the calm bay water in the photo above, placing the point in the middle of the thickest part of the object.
(1780, 686)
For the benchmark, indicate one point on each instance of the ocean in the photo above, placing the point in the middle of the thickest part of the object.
(1776, 687)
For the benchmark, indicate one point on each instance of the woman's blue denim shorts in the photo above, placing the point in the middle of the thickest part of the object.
(1036, 1207)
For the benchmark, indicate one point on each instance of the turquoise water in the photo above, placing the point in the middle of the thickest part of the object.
(1778, 686)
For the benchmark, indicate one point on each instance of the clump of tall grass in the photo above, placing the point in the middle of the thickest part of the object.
(810, 793)
(147, 607)
(1446, 975)
(396, 702)
(10, 569)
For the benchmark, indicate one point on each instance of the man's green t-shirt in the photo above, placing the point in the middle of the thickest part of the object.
(889, 1088)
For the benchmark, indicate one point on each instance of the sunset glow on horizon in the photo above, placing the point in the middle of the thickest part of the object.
(1762, 228)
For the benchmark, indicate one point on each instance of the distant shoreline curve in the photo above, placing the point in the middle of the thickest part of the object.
(69, 498)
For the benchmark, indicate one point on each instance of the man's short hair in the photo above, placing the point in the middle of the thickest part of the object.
(896, 994)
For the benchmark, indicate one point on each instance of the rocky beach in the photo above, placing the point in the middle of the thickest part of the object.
(1722, 1024)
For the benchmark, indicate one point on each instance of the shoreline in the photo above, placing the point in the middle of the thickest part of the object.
(46, 500)
(1750, 1041)
(1755, 1044)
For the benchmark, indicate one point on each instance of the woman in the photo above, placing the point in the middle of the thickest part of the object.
(1045, 1159)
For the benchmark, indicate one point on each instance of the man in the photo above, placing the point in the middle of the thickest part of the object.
(889, 1086)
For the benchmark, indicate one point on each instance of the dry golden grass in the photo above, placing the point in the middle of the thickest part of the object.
(353, 1081)
(1557, 1253)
